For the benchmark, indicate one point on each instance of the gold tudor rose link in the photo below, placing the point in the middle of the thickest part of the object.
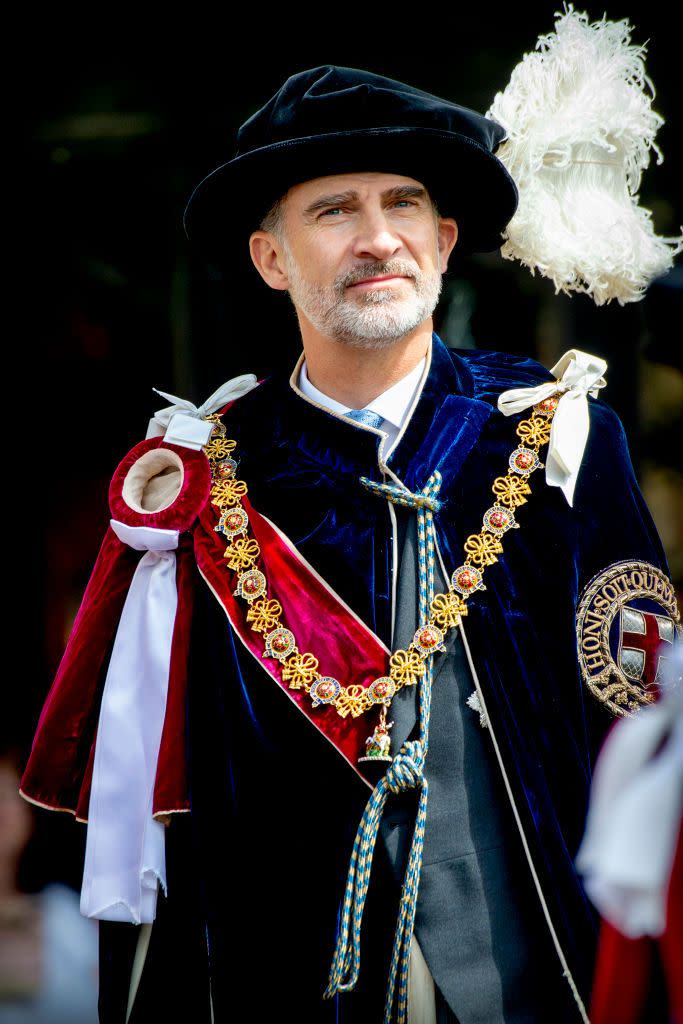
(300, 669)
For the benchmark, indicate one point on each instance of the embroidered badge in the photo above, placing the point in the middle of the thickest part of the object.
(626, 625)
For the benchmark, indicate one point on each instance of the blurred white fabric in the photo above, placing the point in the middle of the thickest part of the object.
(635, 812)
(70, 955)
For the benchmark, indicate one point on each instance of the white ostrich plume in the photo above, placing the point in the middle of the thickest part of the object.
(579, 129)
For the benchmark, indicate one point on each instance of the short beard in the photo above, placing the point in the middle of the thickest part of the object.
(373, 319)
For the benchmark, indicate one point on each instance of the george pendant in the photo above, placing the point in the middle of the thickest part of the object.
(378, 746)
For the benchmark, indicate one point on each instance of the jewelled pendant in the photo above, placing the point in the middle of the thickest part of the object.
(250, 585)
(378, 746)
(279, 644)
(498, 520)
(382, 690)
(225, 469)
(428, 639)
(524, 461)
(233, 522)
(548, 406)
(325, 690)
(466, 579)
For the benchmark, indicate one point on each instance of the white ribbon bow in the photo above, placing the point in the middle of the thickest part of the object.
(582, 374)
(125, 846)
(183, 423)
(634, 817)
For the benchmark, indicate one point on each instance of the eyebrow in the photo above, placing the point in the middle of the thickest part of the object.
(340, 198)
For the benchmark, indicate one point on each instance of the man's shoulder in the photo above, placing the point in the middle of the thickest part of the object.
(495, 371)
(256, 403)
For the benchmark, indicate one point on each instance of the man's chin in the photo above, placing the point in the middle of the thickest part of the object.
(368, 343)
(373, 337)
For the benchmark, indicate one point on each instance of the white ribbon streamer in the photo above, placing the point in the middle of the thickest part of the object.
(125, 846)
(183, 423)
(581, 375)
(634, 817)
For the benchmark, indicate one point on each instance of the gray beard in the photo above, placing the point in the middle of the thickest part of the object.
(373, 319)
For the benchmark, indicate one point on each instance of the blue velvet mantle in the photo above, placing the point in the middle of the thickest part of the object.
(274, 806)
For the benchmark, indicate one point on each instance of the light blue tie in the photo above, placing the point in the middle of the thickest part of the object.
(367, 416)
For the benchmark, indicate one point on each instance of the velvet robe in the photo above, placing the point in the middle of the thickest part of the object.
(256, 869)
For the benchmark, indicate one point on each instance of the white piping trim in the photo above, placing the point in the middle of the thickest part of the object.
(138, 964)
(388, 472)
(565, 967)
(281, 688)
(297, 554)
(50, 807)
(394, 567)
(446, 575)
(209, 975)
(332, 412)
(408, 416)
(68, 810)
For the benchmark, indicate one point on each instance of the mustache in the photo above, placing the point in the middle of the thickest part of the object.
(378, 269)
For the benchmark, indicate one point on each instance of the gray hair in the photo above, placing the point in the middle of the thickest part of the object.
(274, 221)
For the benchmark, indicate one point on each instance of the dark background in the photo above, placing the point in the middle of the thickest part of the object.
(122, 116)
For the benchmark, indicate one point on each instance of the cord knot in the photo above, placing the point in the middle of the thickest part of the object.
(405, 771)
(426, 498)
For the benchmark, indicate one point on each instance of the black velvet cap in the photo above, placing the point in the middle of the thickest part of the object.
(336, 120)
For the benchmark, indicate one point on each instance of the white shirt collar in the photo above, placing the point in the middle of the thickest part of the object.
(393, 404)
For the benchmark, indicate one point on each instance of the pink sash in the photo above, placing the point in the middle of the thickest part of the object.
(321, 621)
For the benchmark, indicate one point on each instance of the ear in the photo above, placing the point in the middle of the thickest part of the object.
(447, 233)
(266, 255)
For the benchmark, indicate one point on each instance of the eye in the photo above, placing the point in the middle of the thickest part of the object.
(332, 209)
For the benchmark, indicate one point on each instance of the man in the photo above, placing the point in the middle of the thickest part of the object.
(332, 559)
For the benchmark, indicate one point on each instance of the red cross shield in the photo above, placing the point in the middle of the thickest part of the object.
(645, 644)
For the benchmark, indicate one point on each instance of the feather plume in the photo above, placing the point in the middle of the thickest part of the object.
(580, 127)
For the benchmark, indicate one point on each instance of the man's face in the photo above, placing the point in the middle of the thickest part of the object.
(363, 255)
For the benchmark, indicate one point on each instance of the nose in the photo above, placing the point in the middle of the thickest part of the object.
(375, 238)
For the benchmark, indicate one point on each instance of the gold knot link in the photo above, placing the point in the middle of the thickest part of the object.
(353, 699)
(242, 553)
(535, 431)
(406, 667)
(218, 447)
(264, 614)
(482, 548)
(227, 492)
(510, 490)
(300, 670)
(447, 609)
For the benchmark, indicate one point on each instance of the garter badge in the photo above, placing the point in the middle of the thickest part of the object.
(279, 644)
(626, 625)
(325, 690)
(233, 521)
